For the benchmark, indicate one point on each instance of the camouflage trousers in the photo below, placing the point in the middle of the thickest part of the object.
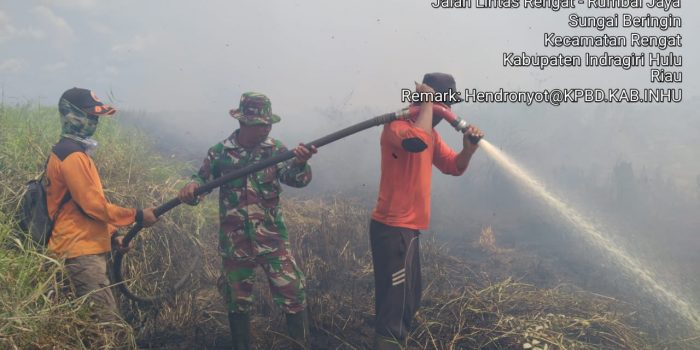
(284, 276)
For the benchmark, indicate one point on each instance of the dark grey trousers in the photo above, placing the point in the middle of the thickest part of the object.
(397, 278)
(88, 275)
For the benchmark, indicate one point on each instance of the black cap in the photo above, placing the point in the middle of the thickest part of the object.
(442, 82)
(87, 101)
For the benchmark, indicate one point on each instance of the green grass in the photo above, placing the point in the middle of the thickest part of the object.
(462, 307)
(35, 311)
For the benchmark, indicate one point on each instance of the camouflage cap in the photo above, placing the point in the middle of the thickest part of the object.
(255, 108)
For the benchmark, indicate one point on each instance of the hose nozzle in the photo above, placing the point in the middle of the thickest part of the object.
(445, 113)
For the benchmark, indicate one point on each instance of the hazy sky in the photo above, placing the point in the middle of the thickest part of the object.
(199, 56)
(188, 62)
(327, 63)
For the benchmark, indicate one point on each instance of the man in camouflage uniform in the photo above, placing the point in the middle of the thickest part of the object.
(252, 231)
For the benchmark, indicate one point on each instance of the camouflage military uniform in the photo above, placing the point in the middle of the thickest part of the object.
(252, 231)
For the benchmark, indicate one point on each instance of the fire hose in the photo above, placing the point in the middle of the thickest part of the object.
(408, 112)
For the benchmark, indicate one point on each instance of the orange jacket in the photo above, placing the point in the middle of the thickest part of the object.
(85, 223)
(404, 187)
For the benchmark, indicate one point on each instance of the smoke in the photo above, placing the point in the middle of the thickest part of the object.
(176, 69)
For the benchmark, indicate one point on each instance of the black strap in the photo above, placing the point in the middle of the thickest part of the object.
(66, 198)
(43, 173)
(62, 150)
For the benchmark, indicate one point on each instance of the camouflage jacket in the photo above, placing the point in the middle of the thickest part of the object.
(247, 202)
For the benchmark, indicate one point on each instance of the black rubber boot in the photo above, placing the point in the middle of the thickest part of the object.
(240, 330)
(384, 343)
(298, 329)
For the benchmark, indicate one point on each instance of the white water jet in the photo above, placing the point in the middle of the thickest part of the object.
(645, 278)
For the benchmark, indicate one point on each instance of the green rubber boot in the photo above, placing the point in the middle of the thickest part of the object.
(384, 343)
(298, 329)
(240, 330)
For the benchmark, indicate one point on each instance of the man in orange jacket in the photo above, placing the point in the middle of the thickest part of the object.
(409, 149)
(83, 232)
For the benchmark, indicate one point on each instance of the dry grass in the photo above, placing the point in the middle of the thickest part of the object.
(35, 309)
(462, 307)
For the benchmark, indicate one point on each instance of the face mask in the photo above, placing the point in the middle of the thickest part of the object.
(89, 127)
(75, 121)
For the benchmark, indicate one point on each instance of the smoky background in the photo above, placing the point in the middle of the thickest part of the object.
(629, 169)
(176, 68)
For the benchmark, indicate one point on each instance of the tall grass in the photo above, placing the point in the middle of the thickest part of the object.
(463, 307)
(35, 310)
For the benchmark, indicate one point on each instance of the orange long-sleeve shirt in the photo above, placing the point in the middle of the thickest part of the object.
(79, 232)
(404, 187)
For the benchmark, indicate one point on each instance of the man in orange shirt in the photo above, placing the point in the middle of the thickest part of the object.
(409, 148)
(83, 232)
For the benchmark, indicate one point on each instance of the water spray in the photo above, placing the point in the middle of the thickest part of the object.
(645, 278)
(589, 232)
